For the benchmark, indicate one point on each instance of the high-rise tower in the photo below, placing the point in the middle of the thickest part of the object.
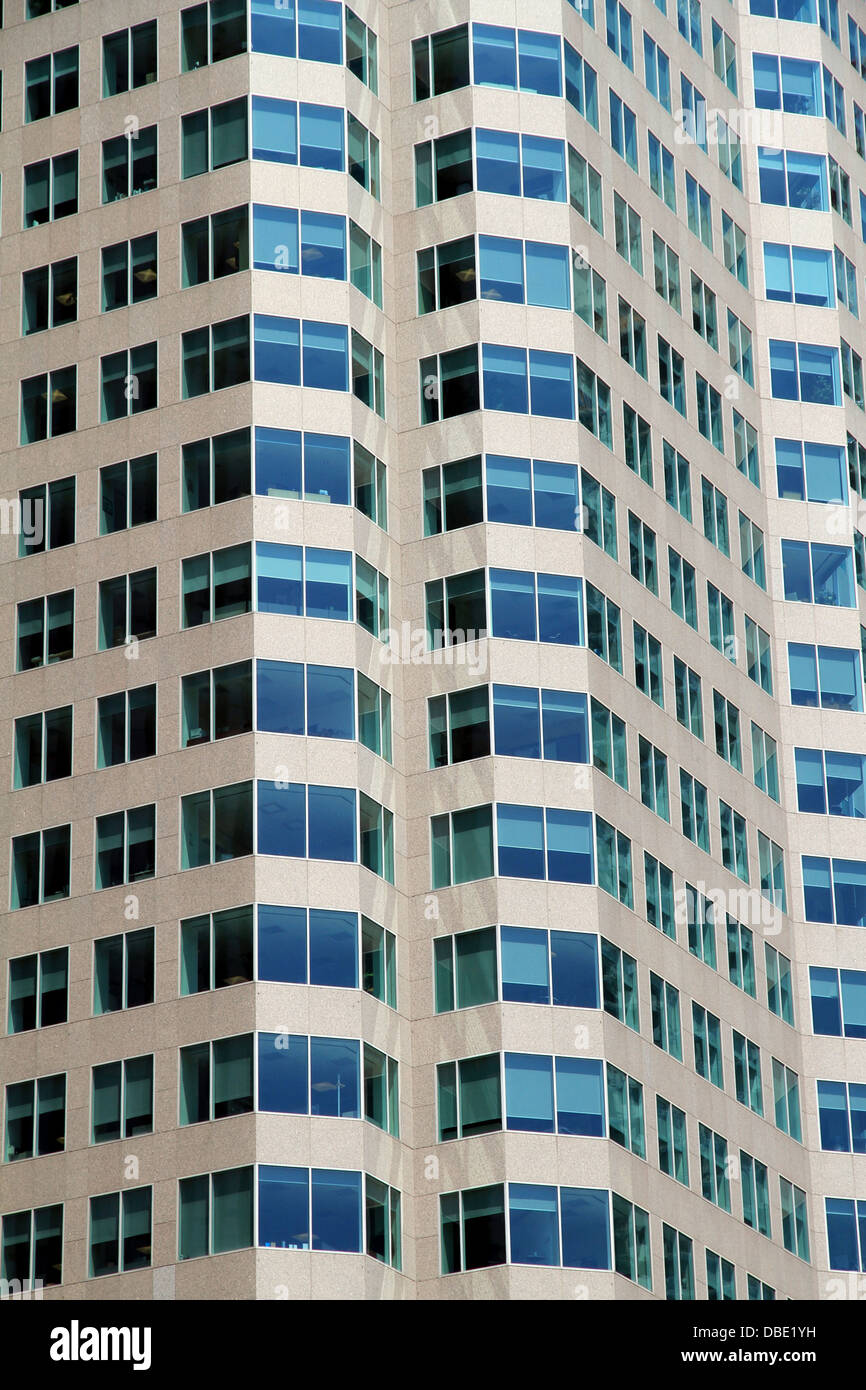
(433, 446)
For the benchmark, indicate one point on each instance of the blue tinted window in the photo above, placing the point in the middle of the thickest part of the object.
(320, 30)
(826, 1004)
(323, 245)
(551, 384)
(326, 356)
(564, 725)
(817, 887)
(560, 617)
(811, 795)
(494, 52)
(282, 819)
(575, 966)
(335, 1078)
(843, 1220)
(277, 349)
(497, 154)
(327, 468)
(525, 965)
(333, 948)
(328, 576)
(585, 1228)
(544, 168)
(516, 721)
(569, 846)
(833, 1116)
(280, 697)
(811, 472)
(579, 1096)
(284, 1193)
(540, 62)
(529, 1092)
(273, 28)
(512, 602)
(509, 496)
(275, 130)
(520, 841)
(336, 1209)
(278, 462)
(275, 238)
(501, 269)
(332, 824)
(322, 142)
(505, 381)
(833, 575)
(849, 892)
(282, 943)
(283, 1079)
(556, 495)
(330, 702)
(797, 571)
(278, 578)
(533, 1214)
(548, 275)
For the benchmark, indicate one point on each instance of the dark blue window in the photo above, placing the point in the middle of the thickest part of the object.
(280, 697)
(273, 31)
(533, 1213)
(559, 609)
(845, 1222)
(494, 53)
(826, 1002)
(505, 380)
(320, 30)
(555, 493)
(335, 1077)
(277, 349)
(330, 702)
(279, 578)
(336, 1210)
(326, 356)
(574, 957)
(333, 824)
(512, 602)
(540, 62)
(284, 1196)
(327, 468)
(516, 721)
(333, 948)
(283, 1073)
(551, 384)
(509, 494)
(328, 583)
(282, 943)
(497, 155)
(564, 726)
(323, 245)
(278, 462)
(282, 819)
(585, 1228)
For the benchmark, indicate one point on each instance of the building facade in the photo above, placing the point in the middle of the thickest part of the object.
(429, 433)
